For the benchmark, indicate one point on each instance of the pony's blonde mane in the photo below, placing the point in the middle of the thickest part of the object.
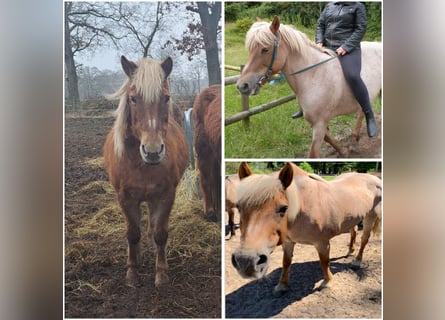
(147, 80)
(259, 34)
(255, 190)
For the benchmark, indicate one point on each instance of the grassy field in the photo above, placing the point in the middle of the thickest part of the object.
(271, 134)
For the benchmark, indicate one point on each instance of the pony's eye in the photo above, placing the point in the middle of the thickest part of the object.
(166, 98)
(282, 210)
(264, 50)
(133, 99)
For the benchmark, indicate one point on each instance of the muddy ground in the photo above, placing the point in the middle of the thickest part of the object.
(95, 243)
(366, 147)
(352, 294)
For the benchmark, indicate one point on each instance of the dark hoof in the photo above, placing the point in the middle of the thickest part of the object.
(297, 114)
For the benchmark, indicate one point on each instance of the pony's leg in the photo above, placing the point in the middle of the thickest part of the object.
(357, 127)
(288, 251)
(353, 233)
(323, 248)
(353, 145)
(207, 179)
(132, 215)
(319, 131)
(159, 215)
(368, 223)
(334, 143)
(231, 213)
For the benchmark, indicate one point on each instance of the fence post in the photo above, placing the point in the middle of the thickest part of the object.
(245, 103)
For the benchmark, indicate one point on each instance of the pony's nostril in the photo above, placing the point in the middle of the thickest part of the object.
(234, 262)
(243, 87)
(162, 149)
(144, 151)
(263, 259)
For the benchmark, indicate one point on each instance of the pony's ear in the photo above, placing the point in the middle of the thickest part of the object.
(167, 66)
(286, 175)
(128, 66)
(244, 170)
(275, 25)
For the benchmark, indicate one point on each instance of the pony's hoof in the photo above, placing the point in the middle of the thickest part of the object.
(280, 289)
(325, 284)
(161, 279)
(355, 265)
(132, 278)
(211, 216)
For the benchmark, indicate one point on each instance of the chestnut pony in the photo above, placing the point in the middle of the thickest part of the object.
(207, 141)
(145, 156)
(294, 206)
(322, 91)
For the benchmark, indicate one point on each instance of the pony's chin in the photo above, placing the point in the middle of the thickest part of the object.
(255, 275)
(152, 160)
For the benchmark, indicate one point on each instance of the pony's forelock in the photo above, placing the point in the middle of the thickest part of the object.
(256, 190)
(148, 79)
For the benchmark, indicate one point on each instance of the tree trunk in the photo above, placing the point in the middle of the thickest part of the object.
(210, 25)
(70, 67)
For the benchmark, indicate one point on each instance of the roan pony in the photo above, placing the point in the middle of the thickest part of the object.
(294, 206)
(145, 156)
(207, 141)
(322, 92)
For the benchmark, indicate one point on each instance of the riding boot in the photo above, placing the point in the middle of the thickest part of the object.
(297, 114)
(370, 124)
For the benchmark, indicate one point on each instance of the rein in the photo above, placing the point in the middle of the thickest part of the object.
(268, 73)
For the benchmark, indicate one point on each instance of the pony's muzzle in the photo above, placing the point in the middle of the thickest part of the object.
(250, 265)
(247, 88)
(152, 154)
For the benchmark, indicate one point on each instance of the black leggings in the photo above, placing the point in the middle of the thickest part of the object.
(351, 64)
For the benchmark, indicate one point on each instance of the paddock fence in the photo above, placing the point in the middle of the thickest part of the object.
(247, 111)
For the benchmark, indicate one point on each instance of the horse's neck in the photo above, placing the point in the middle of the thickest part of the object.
(297, 62)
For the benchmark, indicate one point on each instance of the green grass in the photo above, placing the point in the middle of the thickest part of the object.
(271, 134)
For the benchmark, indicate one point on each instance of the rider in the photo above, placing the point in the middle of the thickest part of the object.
(341, 27)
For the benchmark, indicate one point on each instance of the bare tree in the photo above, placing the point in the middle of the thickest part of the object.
(143, 21)
(87, 27)
(203, 35)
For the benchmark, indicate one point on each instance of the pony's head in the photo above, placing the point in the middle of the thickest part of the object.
(269, 46)
(263, 204)
(144, 108)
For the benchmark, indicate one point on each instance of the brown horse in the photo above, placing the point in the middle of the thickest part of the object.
(322, 91)
(207, 140)
(145, 156)
(231, 183)
(294, 206)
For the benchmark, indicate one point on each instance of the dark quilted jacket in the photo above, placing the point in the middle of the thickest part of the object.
(342, 24)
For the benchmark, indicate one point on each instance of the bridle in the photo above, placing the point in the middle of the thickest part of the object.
(266, 76)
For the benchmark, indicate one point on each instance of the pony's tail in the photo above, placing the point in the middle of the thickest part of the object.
(377, 227)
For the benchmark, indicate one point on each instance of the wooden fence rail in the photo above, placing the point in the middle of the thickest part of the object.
(247, 111)
(230, 80)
